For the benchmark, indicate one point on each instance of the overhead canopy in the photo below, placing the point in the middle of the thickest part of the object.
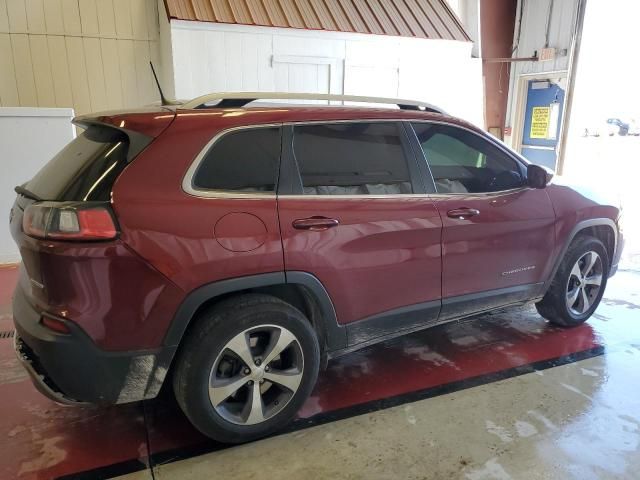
(407, 18)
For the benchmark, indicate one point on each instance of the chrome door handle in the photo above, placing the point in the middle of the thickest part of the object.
(315, 224)
(463, 213)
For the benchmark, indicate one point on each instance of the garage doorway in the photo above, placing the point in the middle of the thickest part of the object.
(542, 120)
(539, 115)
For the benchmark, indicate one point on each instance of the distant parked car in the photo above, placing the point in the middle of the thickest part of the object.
(615, 125)
(634, 128)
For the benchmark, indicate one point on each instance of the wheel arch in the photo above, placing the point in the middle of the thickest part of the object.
(604, 229)
(300, 289)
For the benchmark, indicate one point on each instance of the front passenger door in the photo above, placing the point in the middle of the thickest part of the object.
(497, 232)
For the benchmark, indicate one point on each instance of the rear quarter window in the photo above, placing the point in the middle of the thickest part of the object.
(245, 160)
(85, 169)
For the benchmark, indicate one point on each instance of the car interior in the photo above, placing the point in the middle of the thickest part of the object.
(352, 159)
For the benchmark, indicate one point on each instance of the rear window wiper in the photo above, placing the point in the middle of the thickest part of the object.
(27, 193)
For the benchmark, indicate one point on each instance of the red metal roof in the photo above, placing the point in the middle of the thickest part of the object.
(406, 18)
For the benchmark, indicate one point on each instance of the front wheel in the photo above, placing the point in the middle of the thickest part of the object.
(246, 368)
(579, 283)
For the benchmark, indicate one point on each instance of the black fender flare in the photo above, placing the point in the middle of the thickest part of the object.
(335, 335)
(593, 222)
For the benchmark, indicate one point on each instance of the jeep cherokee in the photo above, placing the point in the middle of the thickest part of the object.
(233, 249)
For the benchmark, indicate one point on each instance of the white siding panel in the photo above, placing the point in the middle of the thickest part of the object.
(216, 64)
(143, 73)
(151, 15)
(78, 75)
(266, 77)
(199, 70)
(35, 16)
(17, 16)
(250, 62)
(8, 86)
(42, 70)
(233, 60)
(106, 18)
(155, 58)
(281, 79)
(4, 18)
(165, 67)
(139, 19)
(111, 62)
(53, 17)
(60, 71)
(24, 70)
(126, 57)
(95, 74)
(182, 64)
(122, 13)
(89, 17)
(71, 17)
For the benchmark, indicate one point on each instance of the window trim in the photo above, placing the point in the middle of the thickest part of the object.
(187, 181)
(520, 163)
(419, 162)
(415, 175)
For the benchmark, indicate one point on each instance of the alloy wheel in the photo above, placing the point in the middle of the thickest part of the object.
(256, 374)
(585, 281)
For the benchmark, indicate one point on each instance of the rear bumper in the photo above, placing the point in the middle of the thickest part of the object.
(71, 369)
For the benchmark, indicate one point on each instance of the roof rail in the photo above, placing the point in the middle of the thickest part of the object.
(240, 99)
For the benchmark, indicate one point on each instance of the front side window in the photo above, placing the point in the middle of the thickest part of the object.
(463, 162)
(241, 161)
(352, 159)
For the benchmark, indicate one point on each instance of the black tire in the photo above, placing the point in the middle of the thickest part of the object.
(553, 305)
(208, 338)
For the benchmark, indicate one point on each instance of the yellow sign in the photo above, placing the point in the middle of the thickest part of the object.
(539, 122)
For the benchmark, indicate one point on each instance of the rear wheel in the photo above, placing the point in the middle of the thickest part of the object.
(578, 285)
(246, 368)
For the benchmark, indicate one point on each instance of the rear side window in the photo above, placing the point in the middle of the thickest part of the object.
(242, 161)
(352, 159)
(85, 169)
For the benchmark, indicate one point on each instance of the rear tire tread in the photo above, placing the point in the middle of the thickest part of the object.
(199, 348)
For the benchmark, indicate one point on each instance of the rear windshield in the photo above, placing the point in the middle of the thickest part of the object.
(85, 169)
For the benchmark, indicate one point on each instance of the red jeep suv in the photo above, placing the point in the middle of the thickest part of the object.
(233, 249)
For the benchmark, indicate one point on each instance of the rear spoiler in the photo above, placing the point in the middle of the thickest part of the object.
(140, 126)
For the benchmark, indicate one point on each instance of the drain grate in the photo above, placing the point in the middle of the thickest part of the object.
(7, 334)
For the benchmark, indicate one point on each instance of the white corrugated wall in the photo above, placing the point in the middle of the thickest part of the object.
(210, 57)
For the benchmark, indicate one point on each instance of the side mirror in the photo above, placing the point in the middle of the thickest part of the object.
(538, 176)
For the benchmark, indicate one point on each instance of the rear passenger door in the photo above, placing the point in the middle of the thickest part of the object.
(356, 215)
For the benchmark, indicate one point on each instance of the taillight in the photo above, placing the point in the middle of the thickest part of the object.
(54, 324)
(69, 221)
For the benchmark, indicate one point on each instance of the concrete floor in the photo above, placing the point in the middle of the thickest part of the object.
(503, 397)
(567, 422)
